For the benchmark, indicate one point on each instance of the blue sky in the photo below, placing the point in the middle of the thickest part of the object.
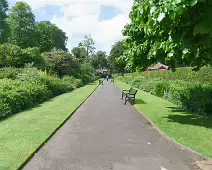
(103, 19)
(47, 12)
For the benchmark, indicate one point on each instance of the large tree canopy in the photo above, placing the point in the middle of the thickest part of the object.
(99, 60)
(4, 28)
(22, 24)
(49, 36)
(174, 31)
(116, 52)
(79, 52)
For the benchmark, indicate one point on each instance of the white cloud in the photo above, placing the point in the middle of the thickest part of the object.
(81, 17)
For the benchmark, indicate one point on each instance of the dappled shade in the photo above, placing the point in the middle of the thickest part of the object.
(189, 119)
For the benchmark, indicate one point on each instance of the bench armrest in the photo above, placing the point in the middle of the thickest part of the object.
(130, 95)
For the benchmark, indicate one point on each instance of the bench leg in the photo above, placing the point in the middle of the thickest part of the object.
(134, 101)
(122, 96)
(125, 101)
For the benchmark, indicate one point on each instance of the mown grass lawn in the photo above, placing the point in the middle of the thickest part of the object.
(190, 130)
(22, 134)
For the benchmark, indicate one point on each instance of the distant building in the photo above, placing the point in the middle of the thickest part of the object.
(158, 66)
(104, 72)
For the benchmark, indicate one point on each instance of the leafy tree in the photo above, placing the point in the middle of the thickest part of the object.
(88, 44)
(99, 60)
(178, 31)
(61, 63)
(79, 52)
(117, 51)
(4, 28)
(86, 69)
(22, 24)
(49, 36)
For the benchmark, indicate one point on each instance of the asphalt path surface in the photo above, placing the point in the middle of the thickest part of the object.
(104, 134)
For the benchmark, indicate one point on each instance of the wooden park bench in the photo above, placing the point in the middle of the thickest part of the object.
(129, 95)
(100, 82)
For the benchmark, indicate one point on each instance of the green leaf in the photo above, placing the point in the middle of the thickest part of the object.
(153, 9)
(171, 54)
(185, 51)
(177, 1)
(161, 16)
(193, 2)
(202, 28)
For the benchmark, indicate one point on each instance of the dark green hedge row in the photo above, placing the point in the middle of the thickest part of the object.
(195, 97)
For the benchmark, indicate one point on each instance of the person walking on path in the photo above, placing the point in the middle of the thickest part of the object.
(107, 77)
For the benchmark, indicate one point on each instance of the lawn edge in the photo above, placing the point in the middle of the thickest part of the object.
(166, 136)
(55, 131)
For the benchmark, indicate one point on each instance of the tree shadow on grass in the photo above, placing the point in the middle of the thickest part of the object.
(184, 117)
(23, 111)
(27, 109)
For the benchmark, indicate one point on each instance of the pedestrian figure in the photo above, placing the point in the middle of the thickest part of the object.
(107, 77)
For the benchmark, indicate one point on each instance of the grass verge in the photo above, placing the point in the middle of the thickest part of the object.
(194, 132)
(22, 134)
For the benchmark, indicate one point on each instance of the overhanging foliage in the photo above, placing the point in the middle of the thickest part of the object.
(178, 32)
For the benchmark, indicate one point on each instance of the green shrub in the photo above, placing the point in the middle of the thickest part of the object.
(29, 86)
(29, 89)
(16, 96)
(9, 72)
(192, 95)
(14, 56)
(33, 55)
(86, 79)
(62, 63)
(76, 82)
(29, 74)
(79, 83)
(56, 85)
(204, 75)
(160, 88)
(198, 99)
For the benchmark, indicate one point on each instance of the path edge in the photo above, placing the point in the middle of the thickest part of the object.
(55, 131)
(166, 136)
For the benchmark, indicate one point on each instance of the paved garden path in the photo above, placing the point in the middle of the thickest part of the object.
(104, 134)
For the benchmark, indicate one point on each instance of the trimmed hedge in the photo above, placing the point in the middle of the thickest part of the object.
(196, 97)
